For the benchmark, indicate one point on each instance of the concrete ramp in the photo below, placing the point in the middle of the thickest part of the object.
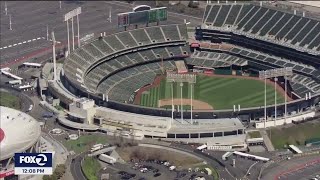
(102, 151)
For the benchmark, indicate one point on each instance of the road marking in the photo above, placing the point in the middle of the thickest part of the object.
(13, 45)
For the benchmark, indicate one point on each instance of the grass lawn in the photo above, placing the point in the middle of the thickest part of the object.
(295, 134)
(90, 168)
(254, 134)
(84, 142)
(9, 100)
(219, 92)
(214, 172)
(178, 159)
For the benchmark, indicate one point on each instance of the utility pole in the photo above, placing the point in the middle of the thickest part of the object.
(6, 8)
(110, 19)
(60, 4)
(47, 33)
(10, 23)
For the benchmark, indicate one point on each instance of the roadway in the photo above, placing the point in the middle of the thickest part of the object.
(29, 24)
(75, 167)
(296, 168)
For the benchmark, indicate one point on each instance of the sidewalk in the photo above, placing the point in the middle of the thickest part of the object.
(267, 140)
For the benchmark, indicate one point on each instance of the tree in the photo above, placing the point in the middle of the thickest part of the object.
(60, 170)
(46, 177)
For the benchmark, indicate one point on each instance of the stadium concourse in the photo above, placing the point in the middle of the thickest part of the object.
(98, 81)
(12, 140)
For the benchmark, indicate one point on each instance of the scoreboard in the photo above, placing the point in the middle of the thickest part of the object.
(162, 14)
(139, 17)
(142, 17)
(123, 20)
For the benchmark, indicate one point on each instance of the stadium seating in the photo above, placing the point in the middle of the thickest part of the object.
(171, 33)
(118, 51)
(262, 21)
(127, 39)
(122, 85)
(156, 34)
(114, 43)
(141, 37)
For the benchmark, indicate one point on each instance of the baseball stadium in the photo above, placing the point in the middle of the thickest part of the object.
(244, 62)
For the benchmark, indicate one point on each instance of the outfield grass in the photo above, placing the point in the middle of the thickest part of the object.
(219, 92)
(84, 143)
(9, 100)
(90, 168)
(296, 134)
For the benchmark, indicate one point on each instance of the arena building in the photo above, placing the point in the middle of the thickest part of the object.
(19, 132)
(236, 40)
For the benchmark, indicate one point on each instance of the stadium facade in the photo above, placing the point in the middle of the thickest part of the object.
(110, 69)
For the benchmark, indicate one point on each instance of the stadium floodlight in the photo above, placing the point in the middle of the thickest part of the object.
(274, 73)
(67, 17)
(181, 78)
(54, 56)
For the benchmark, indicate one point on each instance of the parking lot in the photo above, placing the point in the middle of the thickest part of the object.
(152, 169)
(304, 171)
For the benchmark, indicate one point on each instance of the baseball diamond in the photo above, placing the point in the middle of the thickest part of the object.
(218, 92)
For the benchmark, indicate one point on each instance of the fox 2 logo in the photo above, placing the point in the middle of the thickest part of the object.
(33, 159)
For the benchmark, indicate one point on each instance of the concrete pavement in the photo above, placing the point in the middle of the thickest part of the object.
(267, 140)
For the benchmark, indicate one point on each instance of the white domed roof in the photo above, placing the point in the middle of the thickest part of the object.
(18, 132)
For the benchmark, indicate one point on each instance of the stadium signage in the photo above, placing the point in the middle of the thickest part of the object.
(33, 163)
(142, 17)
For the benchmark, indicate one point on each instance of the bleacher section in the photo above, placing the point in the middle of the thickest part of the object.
(93, 62)
(213, 59)
(305, 79)
(264, 22)
(121, 86)
(95, 76)
(274, 61)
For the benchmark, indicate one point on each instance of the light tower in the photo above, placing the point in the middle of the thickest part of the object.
(54, 56)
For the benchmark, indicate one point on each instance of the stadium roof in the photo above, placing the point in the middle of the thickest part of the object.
(18, 132)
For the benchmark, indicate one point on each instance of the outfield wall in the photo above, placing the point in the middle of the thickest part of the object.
(288, 120)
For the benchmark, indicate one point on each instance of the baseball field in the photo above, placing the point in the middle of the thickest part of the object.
(211, 92)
